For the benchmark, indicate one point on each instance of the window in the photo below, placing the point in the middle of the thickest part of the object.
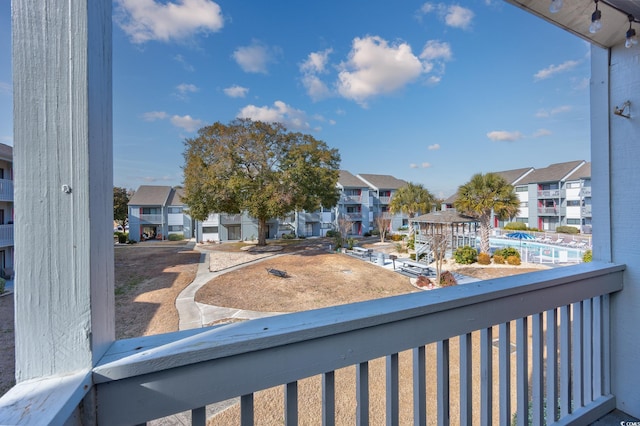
(524, 204)
(150, 210)
(573, 221)
(175, 228)
(175, 210)
(573, 203)
(385, 193)
(521, 188)
(209, 229)
(573, 184)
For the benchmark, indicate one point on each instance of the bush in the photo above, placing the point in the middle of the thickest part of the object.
(288, 236)
(484, 258)
(465, 255)
(122, 237)
(332, 234)
(375, 232)
(396, 237)
(587, 256)
(366, 234)
(447, 279)
(498, 259)
(516, 226)
(506, 252)
(513, 260)
(567, 230)
(175, 237)
(2, 284)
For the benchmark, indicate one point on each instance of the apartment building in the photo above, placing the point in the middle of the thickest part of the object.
(6, 210)
(156, 212)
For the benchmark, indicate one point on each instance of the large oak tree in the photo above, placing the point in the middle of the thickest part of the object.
(258, 167)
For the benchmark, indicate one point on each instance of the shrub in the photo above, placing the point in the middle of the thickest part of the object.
(411, 243)
(567, 230)
(506, 252)
(288, 236)
(513, 260)
(587, 256)
(122, 237)
(447, 279)
(423, 281)
(350, 243)
(402, 249)
(2, 284)
(465, 255)
(375, 232)
(332, 233)
(366, 234)
(516, 226)
(176, 237)
(484, 258)
(498, 259)
(396, 237)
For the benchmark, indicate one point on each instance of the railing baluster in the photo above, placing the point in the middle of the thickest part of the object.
(419, 387)
(393, 401)
(486, 376)
(606, 345)
(466, 380)
(576, 356)
(552, 365)
(587, 351)
(443, 382)
(362, 394)
(291, 404)
(199, 416)
(246, 410)
(565, 361)
(328, 399)
(505, 373)
(597, 380)
(522, 373)
(537, 373)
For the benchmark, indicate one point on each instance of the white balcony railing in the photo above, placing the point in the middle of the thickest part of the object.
(566, 309)
(151, 218)
(6, 235)
(531, 341)
(6, 190)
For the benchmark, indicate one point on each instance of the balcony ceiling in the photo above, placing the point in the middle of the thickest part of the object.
(575, 17)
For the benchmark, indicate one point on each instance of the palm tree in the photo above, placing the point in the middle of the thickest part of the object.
(485, 194)
(412, 199)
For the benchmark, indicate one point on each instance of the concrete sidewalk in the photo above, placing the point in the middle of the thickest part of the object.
(196, 315)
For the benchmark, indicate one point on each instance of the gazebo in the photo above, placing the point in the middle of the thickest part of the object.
(462, 229)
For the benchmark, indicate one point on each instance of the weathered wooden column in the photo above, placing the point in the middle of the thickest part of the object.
(63, 185)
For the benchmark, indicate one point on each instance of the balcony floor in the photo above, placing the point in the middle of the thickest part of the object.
(616, 417)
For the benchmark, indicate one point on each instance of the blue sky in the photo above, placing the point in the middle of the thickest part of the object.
(429, 92)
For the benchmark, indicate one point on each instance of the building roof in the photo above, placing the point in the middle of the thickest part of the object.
(382, 181)
(6, 152)
(347, 180)
(513, 176)
(583, 172)
(444, 216)
(151, 195)
(175, 197)
(554, 173)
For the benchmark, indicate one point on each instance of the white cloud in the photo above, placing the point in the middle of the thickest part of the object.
(291, 118)
(434, 147)
(145, 20)
(154, 115)
(374, 67)
(5, 87)
(420, 166)
(452, 15)
(552, 70)
(185, 88)
(426, 165)
(180, 59)
(458, 17)
(236, 91)
(186, 122)
(315, 64)
(544, 113)
(255, 57)
(435, 53)
(504, 136)
(541, 133)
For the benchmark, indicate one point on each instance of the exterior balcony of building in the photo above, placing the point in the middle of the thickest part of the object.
(353, 216)
(551, 193)
(585, 211)
(151, 219)
(541, 340)
(350, 199)
(6, 190)
(230, 219)
(309, 217)
(585, 192)
(384, 200)
(6, 235)
(551, 211)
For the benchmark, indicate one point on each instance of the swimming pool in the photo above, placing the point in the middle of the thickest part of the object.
(536, 252)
